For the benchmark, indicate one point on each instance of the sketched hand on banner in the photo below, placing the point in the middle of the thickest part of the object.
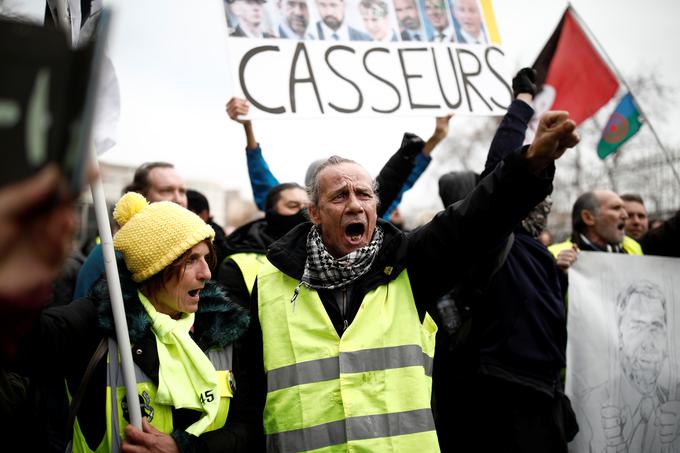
(613, 422)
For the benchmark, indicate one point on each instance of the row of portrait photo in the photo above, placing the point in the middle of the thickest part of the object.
(460, 21)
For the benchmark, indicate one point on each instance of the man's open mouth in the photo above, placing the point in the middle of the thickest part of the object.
(355, 231)
(194, 292)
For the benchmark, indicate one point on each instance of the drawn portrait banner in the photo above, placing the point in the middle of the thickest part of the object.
(315, 58)
(623, 353)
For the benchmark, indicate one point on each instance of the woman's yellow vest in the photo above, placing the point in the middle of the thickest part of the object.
(368, 391)
(159, 416)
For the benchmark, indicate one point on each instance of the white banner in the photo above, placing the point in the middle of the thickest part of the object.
(315, 58)
(623, 354)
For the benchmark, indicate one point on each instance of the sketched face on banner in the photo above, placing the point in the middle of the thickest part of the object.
(643, 336)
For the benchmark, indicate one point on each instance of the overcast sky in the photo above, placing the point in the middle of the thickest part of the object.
(171, 61)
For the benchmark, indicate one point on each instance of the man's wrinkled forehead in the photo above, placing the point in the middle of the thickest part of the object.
(607, 198)
(346, 173)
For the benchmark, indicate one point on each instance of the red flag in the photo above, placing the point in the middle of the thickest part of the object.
(572, 73)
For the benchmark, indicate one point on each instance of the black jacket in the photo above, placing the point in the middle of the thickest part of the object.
(520, 323)
(67, 337)
(665, 240)
(463, 237)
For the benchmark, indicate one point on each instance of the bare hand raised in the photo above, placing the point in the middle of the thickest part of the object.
(237, 107)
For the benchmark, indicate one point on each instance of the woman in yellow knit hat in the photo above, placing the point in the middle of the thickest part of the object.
(182, 327)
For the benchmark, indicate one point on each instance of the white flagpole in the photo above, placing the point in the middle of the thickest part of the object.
(619, 76)
(102, 215)
(122, 336)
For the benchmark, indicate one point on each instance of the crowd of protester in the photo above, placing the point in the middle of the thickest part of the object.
(321, 326)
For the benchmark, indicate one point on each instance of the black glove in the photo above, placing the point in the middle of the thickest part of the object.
(411, 146)
(524, 82)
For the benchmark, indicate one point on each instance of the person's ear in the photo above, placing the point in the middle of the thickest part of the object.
(588, 217)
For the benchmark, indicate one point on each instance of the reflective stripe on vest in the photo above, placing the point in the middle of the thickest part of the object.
(160, 416)
(250, 264)
(353, 429)
(368, 390)
(349, 362)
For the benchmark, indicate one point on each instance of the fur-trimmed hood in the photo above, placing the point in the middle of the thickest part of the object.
(218, 322)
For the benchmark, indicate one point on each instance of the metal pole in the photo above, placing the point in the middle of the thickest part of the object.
(122, 336)
(609, 61)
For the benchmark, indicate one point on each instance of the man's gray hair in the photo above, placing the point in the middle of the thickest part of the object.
(313, 186)
(586, 202)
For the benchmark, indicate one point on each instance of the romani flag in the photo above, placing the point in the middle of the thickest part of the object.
(622, 125)
(572, 74)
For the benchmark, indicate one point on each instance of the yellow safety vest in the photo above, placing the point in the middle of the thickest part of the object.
(367, 391)
(158, 415)
(630, 245)
(250, 264)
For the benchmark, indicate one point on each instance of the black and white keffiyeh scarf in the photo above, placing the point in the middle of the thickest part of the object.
(537, 219)
(322, 271)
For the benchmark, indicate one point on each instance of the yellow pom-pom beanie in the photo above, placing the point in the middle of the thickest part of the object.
(153, 235)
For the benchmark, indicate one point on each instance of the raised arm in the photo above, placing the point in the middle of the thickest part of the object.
(474, 230)
(396, 170)
(510, 133)
(422, 160)
(261, 177)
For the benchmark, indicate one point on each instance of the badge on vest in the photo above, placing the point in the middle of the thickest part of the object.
(144, 406)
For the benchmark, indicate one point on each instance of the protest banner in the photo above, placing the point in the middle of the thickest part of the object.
(315, 58)
(623, 359)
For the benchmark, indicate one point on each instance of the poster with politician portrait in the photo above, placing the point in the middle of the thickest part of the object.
(249, 19)
(318, 58)
(438, 22)
(623, 352)
(468, 22)
(379, 20)
(337, 20)
(410, 20)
